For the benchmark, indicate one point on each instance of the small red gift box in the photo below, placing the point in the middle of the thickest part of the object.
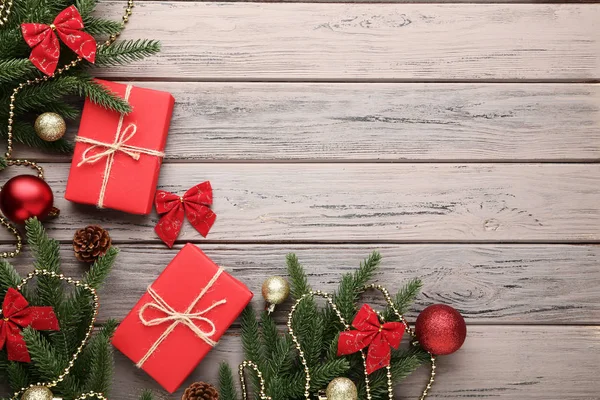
(117, 157)
(181, 317)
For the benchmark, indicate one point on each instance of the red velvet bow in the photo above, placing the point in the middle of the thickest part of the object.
(370, 332)
(16, 313)
(44, 43)
(193, 204)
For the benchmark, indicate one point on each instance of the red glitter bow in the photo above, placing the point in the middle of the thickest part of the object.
(44, 43)
(17, 314)
(193, 204)
(371, 333)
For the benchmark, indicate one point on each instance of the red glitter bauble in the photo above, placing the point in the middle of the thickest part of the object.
(26, 196)
(440, 329)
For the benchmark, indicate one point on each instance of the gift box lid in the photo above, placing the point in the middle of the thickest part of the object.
(179, 285)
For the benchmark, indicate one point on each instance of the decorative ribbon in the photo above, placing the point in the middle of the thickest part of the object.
(193, 204)
(44, 43)
(371, 333)
(186, 318)
(122, 136)
(17, 314)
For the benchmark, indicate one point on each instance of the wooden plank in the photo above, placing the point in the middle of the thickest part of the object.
(494, 284)
(503, 362)
(379, 122)
(347, 42)
(367, 203)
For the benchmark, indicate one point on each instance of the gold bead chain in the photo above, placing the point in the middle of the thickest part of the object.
(296, 341)
(96, 303)
(5, 7)
(252, 365)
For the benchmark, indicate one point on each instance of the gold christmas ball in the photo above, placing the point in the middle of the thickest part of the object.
(341, 389)
(50, 126)
(275, 290)
(37, 393)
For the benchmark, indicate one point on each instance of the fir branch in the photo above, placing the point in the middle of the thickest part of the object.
(100, 95)
(403, 299)
(227, 390)
(46, 252)
(101, 360)
(147, 395)
(126, 52)
(9, 277)
(298, 280)
(352, 285)
(85, 8)
(15, 69)
(99, 26)
(101, 268)
(47, 362)
(18, 375)
(251, 342)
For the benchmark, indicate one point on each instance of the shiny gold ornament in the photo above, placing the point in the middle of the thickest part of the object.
(50, 126)
(341, 389)
(37, 393)
(275, 290)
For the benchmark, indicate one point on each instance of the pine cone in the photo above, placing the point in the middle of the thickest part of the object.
(200, 391)
(91, 242)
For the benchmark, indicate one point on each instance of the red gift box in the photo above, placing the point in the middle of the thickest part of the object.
(117, 157)
(181, 317)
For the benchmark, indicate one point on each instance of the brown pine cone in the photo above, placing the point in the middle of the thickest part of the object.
(200, 391)
(91, 242)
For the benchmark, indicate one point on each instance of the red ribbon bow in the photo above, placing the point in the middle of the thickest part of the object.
(370, 332)
(44, 43)
(16, 313)
(193, 204)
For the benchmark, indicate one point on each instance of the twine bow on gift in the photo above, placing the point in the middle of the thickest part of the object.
(187, 317)
(122, 137)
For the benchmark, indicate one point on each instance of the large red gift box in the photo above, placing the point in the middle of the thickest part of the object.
(117, 157)
(181, 317)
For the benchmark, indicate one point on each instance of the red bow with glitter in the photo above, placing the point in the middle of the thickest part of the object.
(17, 314)
(44, 43)
(193, 204)
(371, 333)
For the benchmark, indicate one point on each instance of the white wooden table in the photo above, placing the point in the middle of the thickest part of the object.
(460, 140)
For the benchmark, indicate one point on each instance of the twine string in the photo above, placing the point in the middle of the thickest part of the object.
(186, 317)
(122, 136)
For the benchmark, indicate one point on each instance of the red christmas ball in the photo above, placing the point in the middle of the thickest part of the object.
(26, 196)
(440, 329)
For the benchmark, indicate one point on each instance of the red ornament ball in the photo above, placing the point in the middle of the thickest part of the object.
(26, 196)
(440, 329)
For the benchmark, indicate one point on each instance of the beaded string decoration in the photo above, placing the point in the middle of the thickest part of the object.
(5, 7)
(329, 298)
(88, 333)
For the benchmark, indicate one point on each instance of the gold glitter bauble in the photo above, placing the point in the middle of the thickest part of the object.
(37, 393)
(341, 389)
(275, 290)
(50, 126)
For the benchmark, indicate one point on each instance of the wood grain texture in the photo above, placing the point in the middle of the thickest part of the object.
(379, 122)
(489, 284)
(347, 42)
(367, 203)
(500, 362)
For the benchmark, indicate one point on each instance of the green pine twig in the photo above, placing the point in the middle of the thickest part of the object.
(404, 298)
(227, 390)
(298, 280)
(126, 52)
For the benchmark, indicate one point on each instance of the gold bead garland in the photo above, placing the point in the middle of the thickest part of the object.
(5, 8)
(329, 298)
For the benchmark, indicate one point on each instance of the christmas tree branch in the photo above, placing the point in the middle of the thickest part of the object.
(126, 52)
(227, 390)
(403, 299)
